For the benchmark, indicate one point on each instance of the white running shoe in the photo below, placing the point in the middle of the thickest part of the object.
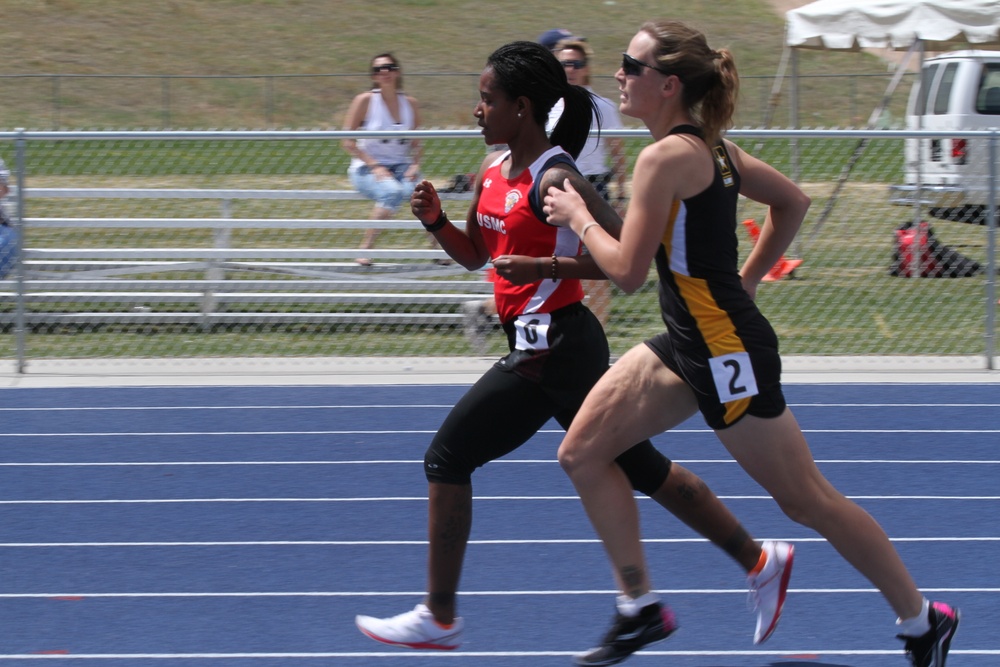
(769, 586)
(415, 629)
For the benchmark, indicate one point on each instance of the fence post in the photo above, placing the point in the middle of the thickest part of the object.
(165, 100)
(216, 267)
(991, 253)
(56, 104)
(269, 102)
(19, 317)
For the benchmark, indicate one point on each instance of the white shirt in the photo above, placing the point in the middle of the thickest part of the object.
(386, 151)
(593, 158)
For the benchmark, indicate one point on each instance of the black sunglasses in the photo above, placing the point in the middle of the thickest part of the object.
(575, 64)
(384, 68)
(633, 67)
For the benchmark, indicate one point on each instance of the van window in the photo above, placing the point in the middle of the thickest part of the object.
(944, 88)
(988, 99)
(925, 86)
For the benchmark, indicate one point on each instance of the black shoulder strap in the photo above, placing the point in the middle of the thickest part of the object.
(687, 129)
(535, 196)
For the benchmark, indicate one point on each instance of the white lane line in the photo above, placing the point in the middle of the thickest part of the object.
(551, 593)
(113, 464)
(398, 543)
(147, 434)
(167, 408)
(461, 655)
(418, 406)
(422, 499)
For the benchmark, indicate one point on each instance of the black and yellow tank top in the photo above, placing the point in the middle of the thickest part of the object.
(701, 296)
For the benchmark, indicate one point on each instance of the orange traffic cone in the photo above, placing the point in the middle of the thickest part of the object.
(784, 267)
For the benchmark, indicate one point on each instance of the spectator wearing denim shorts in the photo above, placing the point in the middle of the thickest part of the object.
(8, 234)
(383, 170)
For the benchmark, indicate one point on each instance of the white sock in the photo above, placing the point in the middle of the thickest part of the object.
(916, 626)
(631, 606)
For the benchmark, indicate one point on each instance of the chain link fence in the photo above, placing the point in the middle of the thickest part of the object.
(164, 245)
(161, 102)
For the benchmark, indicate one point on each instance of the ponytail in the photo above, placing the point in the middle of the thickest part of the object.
(573, 127)
(716, 109)
(711, 83)
(530, 70)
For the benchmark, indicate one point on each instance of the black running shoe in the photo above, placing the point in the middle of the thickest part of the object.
(931, 648)
(627, 635)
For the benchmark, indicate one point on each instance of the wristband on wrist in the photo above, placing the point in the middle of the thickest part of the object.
(583, 232)
(441, 221)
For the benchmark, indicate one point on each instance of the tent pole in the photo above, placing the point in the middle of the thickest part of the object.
(917, 193)
(779, 79)
(862, 145)
(992, 215)
(918, 257)
(794, 110)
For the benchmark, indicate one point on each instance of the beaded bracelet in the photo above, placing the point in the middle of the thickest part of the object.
(441, 221)
(555, 268)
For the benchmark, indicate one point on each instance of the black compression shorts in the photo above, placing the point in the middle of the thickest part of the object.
(521, 393)
(730, 387)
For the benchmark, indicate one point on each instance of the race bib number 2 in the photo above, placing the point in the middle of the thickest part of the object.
(532, 331)
(733, 376)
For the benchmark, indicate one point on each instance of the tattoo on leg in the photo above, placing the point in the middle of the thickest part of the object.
(686, 492)
(632, 580)
(455, 532)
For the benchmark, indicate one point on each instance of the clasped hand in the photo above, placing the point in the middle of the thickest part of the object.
(561, 206)
(518, 269)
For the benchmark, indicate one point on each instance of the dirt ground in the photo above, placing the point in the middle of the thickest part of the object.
(782, 6)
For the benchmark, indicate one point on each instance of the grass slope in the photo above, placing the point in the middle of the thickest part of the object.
(442, 44)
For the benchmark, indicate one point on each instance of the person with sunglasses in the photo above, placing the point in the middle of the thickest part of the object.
(383, 170)
(602, 159)
(719, 354)
(558, 349)
(8, 233)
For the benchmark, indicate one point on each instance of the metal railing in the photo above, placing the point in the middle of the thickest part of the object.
(841, 300)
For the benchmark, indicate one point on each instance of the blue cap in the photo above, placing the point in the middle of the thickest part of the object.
(550, 38)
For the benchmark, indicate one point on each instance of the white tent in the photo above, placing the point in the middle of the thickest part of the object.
(851, 25)
(915, 26)
(903, 25)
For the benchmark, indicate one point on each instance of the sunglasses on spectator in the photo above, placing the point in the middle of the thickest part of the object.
(633, 67)
(384, 68)
(575, 64)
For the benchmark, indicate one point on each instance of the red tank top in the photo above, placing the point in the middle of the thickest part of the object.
(510, 226)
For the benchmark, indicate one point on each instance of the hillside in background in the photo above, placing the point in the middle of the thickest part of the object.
(318, 51)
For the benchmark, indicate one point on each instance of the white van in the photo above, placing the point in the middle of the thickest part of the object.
(959, 90)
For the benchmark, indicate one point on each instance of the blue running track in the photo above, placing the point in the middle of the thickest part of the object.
(223, 526)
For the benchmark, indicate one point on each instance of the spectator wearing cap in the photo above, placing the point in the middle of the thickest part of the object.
(602, 160)
(550, 38)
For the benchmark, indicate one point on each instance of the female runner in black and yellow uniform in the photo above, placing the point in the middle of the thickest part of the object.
(720, 354)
